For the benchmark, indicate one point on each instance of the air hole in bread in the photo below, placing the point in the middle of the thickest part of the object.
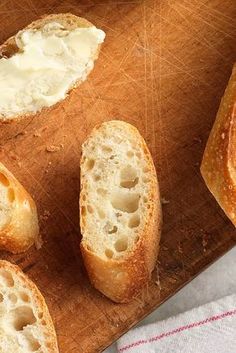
(84, 197)
(134, 221)
(83, 211)
(21, 317)
(113, 230)
(121, 244)
(1, 297)
(136, 239)
(125, 202)
(138, 154)
(145, 199)
(128, 177)
(33, 343)
(101, 213)
(129, 184)
(109, 253)
(130, 154)
(89, 164)
(11, 195)
(90, 209)
(7, 278)
(106, 149)
(4, 180)
(101, 191)
(13, 298)
(40, 315)
(96, 177)
(145, 180)
(146, 169)
(43, 322)
(109, 228)
(24, 297)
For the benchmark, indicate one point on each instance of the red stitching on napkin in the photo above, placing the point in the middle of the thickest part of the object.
(179, 329)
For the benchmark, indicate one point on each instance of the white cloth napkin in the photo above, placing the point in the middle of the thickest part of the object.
(210, 328)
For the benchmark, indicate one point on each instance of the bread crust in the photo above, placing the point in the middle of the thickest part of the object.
(218, 166)
(40, 305)
(22, 231)
(122, 279)
(9, 48)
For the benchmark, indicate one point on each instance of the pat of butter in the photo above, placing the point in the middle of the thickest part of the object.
(49, 63)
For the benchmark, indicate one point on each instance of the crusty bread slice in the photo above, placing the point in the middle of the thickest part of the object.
(25, 323)
(120, 210)
(218, 166)
(38, 92)
(18, 215)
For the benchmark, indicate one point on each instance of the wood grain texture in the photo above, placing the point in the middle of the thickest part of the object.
(163, 68)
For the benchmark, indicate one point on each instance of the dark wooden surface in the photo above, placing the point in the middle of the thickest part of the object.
(163, 68)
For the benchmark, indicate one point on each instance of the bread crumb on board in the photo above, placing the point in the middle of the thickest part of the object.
(164, 201)
(37, 134)
(46, 214)
(54, 148)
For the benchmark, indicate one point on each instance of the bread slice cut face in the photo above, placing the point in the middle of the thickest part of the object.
(19, 228)
(120, 212)
(25, 323)
(44, 61)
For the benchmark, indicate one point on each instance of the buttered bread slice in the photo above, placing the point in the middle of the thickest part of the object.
(44, 61)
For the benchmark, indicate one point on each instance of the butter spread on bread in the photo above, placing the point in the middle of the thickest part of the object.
(51, 59)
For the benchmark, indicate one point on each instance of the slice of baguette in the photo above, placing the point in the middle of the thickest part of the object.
(25, 323)
(120, 210)
(18, 215)
(37, 95)
(218, 166)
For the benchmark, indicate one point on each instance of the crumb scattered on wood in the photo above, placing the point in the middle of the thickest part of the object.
(180, 248)
(197, 139)
(164, 201)
(47, 168)
(37, 134)
(204, 242)
(21, 133)
(54, 148)
(172, 280)
(46, 214)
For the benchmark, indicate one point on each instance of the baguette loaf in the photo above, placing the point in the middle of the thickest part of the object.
(18, 215)
(218, 166)
(120, 210)
(44, 61)
(25, 323)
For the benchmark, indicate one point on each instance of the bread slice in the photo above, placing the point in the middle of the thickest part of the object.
(218, 166)
(120, 210)
(18, 215)
(42, 63)
(25, 323)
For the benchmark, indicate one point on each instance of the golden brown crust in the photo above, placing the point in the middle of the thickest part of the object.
(219, 160)
(121, 280)
(22, 231)
(9, 48)
(40, 305)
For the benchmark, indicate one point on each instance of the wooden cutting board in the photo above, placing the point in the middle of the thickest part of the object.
(164, 67)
